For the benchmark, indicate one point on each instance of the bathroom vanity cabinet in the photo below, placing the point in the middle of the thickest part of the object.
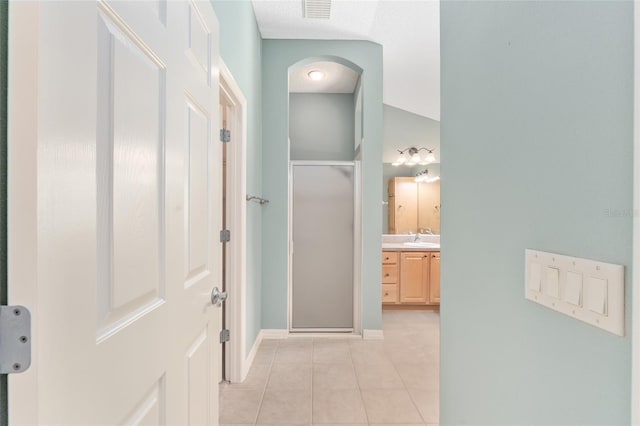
(411, 278)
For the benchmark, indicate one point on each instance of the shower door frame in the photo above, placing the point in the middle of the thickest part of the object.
(357, 252)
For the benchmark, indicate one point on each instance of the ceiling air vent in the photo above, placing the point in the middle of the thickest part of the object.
(317, 9)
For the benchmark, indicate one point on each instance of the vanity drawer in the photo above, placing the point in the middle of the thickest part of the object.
(389, 274)
(389, 293)
(389, 257)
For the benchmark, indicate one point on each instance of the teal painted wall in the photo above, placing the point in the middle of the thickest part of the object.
(321, 126)
(537, 136)
(403, 129)
(241, 50)
(277, 57)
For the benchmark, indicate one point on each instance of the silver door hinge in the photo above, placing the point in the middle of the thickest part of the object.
(225, 135)
(225, 236)
(225, 336)
(15, 339)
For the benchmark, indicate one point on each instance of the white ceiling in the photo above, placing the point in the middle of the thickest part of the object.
(408, 30)
(337, 78)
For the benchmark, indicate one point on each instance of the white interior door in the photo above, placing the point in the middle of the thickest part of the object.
(114, 210)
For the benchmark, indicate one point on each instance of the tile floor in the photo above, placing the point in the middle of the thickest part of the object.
(321, 381)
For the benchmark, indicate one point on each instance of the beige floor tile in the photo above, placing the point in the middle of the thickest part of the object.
(293, 354)
(239, 406)
(412, 354)
(269, 343)
(342, 424)
(338, 406)
(397, 424)
(390, 406)
(296, 342)
(419, 376)
(285, 407)
(290, 377)
(331, 352)
(334, 377)
(256, 378)
(378, 376)
(264, 355)
(368, 352)
(428, 403)
(236, 424)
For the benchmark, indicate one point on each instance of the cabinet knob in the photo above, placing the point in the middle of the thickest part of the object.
(386, 275)
(386, 294)
(386, 258)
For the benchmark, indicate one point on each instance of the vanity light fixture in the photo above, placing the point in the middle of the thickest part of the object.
(423, 176)
(315, 75)
(411, 156)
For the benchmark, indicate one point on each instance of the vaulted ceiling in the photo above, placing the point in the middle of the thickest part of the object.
(409, 32)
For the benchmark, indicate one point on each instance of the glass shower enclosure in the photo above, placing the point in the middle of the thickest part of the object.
(322, 243)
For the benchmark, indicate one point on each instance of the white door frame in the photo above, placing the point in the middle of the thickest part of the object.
(237, 363)
(22, 206)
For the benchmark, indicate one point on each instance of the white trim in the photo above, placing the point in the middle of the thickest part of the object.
(273, 333)
(372, 334)
(248, 362)
(237, 224)
(22, 132)
(635, 279)
(357, 250)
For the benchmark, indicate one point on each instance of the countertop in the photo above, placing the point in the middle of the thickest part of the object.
(396, 242)
(402, 247)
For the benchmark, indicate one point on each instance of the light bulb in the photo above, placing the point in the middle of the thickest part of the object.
(415, 159)
(315, 75)
(430, 158)
(401, 160)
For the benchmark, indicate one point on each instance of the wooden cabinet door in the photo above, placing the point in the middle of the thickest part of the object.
(429, 206)
(414, 277)
(434, 278)
(403, 206)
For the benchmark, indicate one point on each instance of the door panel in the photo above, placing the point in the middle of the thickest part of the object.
(414, 277)
(323, 241)
(125, 180)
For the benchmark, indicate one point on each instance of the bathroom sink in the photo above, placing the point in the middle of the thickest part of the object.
(422, 244)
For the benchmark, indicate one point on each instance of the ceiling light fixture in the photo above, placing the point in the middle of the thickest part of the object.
(411, 157)
(315, 75)
(423, 176)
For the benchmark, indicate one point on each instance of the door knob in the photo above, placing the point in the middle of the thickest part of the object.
(217, 296)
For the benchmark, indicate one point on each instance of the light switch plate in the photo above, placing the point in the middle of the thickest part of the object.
(587, 290)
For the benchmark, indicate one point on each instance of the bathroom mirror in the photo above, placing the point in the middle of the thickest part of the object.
(410, 206)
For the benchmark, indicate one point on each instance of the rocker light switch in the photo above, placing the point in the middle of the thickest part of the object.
(595, 295)
(535, 276)
(573, 289)
(552, 286)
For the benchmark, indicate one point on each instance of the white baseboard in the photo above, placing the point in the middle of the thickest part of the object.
(372, 335)
(248, 362)
(262, 335)
(273, 333)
